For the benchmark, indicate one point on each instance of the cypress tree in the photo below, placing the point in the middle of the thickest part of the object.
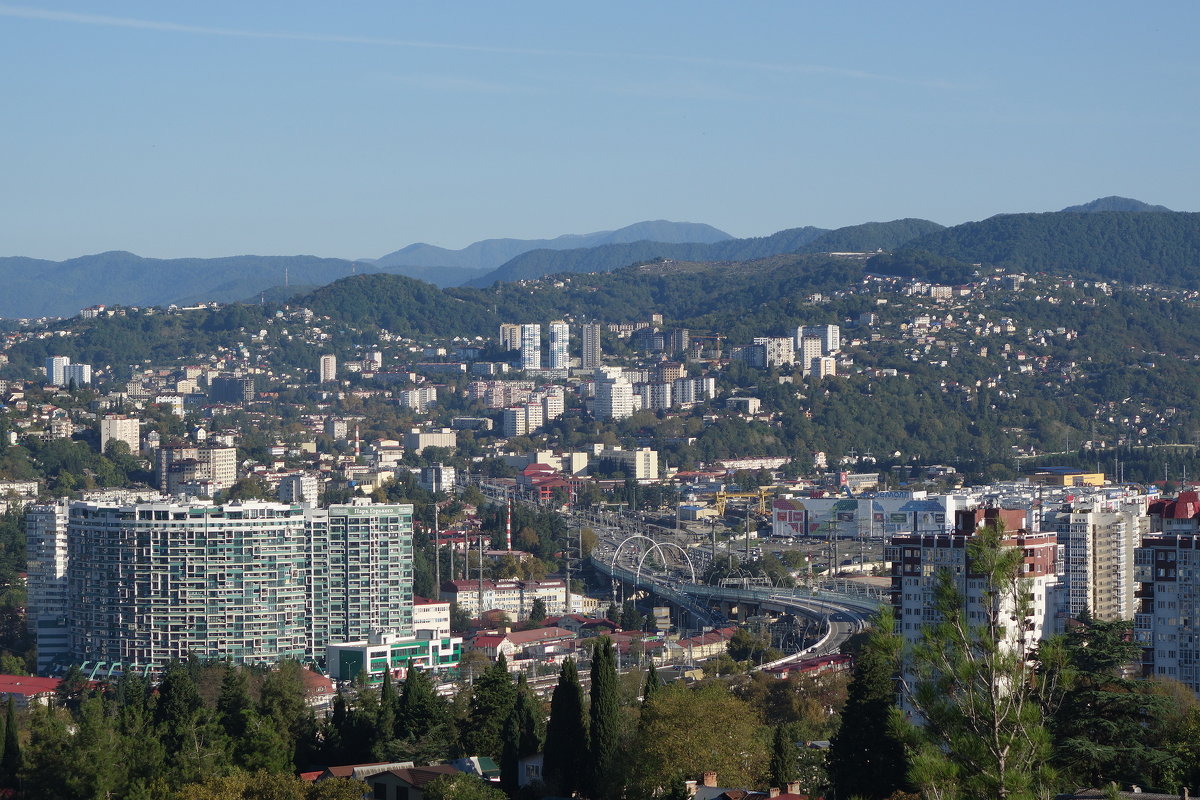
(567, 736)
(865, 759)
(652, 685)
(605, 723)
(783, 758)
(387, 710)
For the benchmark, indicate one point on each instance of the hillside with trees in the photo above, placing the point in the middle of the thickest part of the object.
(1126, 246)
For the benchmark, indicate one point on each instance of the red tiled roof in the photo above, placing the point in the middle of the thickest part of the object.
(27, 686)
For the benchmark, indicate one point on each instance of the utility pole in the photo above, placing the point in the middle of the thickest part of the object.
(437, 557)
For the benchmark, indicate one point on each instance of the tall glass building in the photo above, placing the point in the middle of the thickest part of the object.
(253, 582)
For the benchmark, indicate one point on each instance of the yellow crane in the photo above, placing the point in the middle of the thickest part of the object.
(761, 493)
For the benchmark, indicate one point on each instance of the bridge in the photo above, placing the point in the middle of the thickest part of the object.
(633, 553)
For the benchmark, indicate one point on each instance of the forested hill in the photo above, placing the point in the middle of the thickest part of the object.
(1128, 246)
(690, 290)
(865, 237)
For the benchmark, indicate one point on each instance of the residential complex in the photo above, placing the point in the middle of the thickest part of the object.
(251, 582)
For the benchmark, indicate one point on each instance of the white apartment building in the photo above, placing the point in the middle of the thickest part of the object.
(614, 398)
(56, 370)
(531, 346)
(640, 464)
(122, 429)
(777, 351)
(810, 352)
(46, 556)
(299, 487)
(590, 358)
(917, 559)
(327, 369)
(559, 354)
(1167, 569)
(830, 336)
(514, 421)
(1099, 536)
(515, 598)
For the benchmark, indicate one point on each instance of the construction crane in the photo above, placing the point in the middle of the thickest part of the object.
(761, 493)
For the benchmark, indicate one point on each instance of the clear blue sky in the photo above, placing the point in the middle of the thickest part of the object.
(353, 129)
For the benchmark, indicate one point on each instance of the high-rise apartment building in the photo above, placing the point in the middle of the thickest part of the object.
(559, 352)
(531, 346)
(77, 374)
(46, 579)
(1099, 536)
(1167, 569)
(56, 370)
(510, 336)
(830, 336)
(810, 354)
(590, 358)
(179, 468)
(614, 398)
(118, 427)
(918, 557)
(252, 582)
(327, 368)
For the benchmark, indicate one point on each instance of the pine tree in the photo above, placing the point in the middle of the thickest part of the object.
(865, 758)
(567, 736)
(975, 687)
(491, 701)
(605, 723)
(234, 703)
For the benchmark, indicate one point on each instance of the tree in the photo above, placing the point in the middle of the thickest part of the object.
(783, 758)
(692, 730)
(566, 751)
(461, 787)
(537, 611)
(491, 702)
(1106, 727)
(523, 735)
(631, 620)
(653, 684)
(983, 727)
(425, 732)
(865, 758)
(604, 723)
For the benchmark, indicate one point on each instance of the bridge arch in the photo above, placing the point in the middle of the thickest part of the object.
(658, 546)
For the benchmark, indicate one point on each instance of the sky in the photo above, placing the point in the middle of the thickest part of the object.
(353, 129)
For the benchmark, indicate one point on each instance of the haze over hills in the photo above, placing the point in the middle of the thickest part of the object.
(490, 253)
(866, 237)
(1087, 240)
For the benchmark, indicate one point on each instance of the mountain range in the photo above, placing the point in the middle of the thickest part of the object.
(1112, 235)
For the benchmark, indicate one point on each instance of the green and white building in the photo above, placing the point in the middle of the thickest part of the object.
(252, 582)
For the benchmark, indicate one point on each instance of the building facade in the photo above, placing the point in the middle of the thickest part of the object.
(251, 582)
(121, 428)
(590, 358)
(327, 368)
(559, 354)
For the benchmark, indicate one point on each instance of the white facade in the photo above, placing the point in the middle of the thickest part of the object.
(327, 369)
(1099, 537)
(531, 346)
(640, 464)
(559, 355)
(614, 399)
(829, 335)
(46, 556)
(56, 370)
(591, 345)
(78, 374)
(777, 351)
(122, 429)
(299, 487)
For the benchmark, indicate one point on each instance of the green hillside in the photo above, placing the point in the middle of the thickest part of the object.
(1127, 246)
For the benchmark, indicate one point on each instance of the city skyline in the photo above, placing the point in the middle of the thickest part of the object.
(177, 132)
